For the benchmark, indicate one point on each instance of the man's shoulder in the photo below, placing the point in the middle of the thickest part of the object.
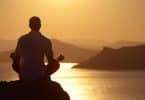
(23, 37)
(28, 36)
(46, 39)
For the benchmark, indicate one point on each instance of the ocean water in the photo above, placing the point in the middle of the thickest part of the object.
(94, 85)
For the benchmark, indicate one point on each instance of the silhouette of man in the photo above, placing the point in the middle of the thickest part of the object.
(30, 51)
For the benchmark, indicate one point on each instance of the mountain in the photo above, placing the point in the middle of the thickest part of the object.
(6, 45)
(71, 52)
(4, 56)
(125, 58)
(100, 44)
(122, 43)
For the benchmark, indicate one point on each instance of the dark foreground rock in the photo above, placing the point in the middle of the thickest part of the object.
(32, 90)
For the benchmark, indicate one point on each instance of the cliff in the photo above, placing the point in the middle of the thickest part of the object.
(126, 58)
(32, 90)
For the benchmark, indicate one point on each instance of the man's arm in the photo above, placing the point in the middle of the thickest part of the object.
(49, 52)
(17, 50)
(53, 64)
(16, 58)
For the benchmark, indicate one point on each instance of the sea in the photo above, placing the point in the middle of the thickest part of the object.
(84, 84)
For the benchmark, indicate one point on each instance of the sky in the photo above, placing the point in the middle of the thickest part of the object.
(76, 21)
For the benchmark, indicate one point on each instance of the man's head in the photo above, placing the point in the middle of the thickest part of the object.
(35, 23)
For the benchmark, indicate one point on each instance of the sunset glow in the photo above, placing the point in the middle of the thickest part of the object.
(60, 2)
(76, 21)
(77, 49)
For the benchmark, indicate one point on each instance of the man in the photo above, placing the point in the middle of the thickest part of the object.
(30, 52)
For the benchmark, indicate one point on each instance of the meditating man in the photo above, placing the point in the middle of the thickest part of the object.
(28, 58)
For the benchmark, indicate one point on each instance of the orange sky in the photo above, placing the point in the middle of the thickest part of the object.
(82, 21)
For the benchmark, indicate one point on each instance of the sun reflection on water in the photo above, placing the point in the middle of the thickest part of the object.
(73, 82)
(70, 81)
(67, 65)
(84, 84)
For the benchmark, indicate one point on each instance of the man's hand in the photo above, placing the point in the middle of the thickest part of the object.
(54, 65)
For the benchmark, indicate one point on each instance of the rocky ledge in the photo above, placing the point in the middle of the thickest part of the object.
(32, 90)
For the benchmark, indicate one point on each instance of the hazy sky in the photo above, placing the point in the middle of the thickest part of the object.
(82, 21)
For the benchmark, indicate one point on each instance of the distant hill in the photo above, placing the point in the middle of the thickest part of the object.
(71, 52)
(100, 44)
(125, 58)
(120, 44)
(6, 45)
(4, 56)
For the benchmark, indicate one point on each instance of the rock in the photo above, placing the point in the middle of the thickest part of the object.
(32, 90)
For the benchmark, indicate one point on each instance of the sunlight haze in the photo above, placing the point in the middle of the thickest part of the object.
(72, 49)
(76, 21)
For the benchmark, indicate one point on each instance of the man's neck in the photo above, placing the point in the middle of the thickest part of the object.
(33, 31)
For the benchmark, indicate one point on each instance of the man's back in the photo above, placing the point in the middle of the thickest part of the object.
(31, 49)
